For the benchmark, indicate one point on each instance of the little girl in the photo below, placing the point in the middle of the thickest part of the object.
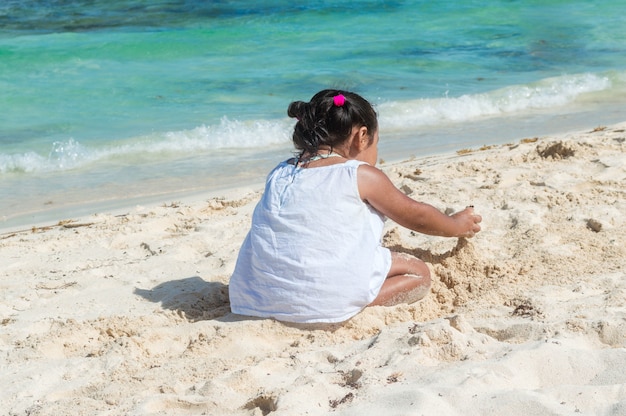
(314, 253)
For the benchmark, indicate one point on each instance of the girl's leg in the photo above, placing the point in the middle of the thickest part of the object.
(408, 281)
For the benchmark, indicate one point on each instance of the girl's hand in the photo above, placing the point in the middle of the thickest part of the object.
(468, 222)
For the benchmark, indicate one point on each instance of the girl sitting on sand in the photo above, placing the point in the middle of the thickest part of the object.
(314, 253)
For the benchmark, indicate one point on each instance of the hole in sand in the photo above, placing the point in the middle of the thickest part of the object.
(266, 403)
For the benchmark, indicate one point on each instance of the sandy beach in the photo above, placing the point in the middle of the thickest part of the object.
(127, 313)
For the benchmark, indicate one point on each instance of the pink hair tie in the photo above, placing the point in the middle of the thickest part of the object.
(339, 100)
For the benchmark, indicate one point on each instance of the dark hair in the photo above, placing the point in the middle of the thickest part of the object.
(322, 122)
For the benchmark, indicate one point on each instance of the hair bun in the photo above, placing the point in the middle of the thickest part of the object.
(297, 109)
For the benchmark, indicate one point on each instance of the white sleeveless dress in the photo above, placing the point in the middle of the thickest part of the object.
(313, 253)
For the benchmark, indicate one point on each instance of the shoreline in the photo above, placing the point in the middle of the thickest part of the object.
(127, 312)
(121, 206)
(396, 149)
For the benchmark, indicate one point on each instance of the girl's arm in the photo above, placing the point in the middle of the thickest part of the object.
(377, 189)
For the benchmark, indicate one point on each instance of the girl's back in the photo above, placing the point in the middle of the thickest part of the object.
(313, 253)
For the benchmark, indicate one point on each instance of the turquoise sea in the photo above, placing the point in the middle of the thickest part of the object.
(106, 103)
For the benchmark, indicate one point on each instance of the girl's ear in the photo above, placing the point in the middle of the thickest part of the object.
(361, 139)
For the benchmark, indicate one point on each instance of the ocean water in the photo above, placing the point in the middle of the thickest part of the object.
(107, 103)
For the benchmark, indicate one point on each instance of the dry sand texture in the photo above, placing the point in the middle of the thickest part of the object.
(128, 314)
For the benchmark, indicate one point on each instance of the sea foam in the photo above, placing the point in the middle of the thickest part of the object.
(228, 134)
(548, 93)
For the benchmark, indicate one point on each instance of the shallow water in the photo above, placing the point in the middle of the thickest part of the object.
(106, 100)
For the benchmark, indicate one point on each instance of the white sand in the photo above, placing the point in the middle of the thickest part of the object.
(128, 314)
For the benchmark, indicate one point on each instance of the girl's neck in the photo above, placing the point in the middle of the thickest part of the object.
(321, 154)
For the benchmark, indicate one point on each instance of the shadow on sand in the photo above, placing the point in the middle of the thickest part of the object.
(192, 298)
